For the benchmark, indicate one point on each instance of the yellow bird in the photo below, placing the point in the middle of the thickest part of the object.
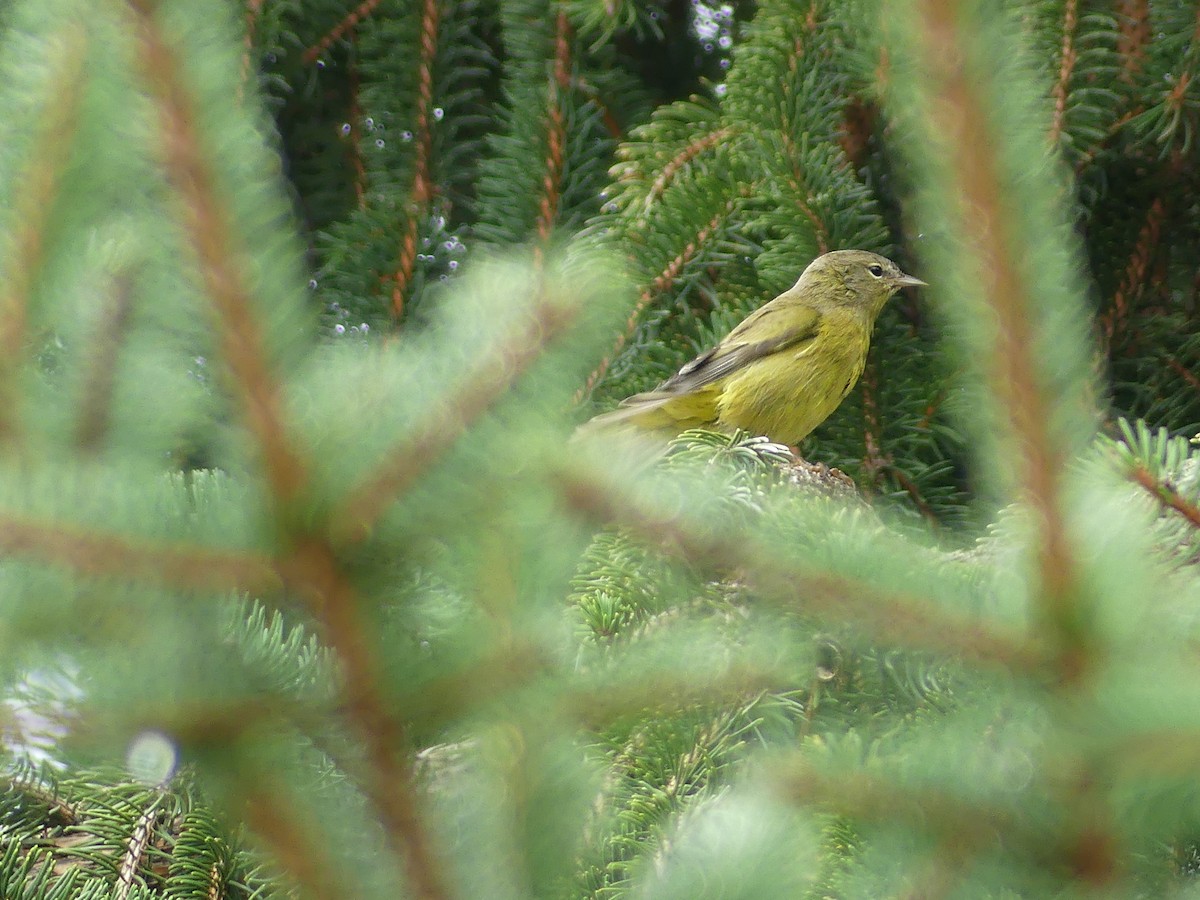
(787, 366)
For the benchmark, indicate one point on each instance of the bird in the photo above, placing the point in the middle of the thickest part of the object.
(786, 367)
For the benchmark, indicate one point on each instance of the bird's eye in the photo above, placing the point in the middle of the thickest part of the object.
(876, 270)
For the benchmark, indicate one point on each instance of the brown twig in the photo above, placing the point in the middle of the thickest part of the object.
(135, 850)
(476, 393)
(959, 110)
(389, 785)
(1165, 494)
(877, 462)
(611, 123)
(280, 827)
(674, 165)
(1066, 67)
(24, 250)
(802, 197)
(1112, 321)
(1133, 21)
(311, 568)
(96, 553)
(208, 223)
(356, 15)
(874, 462)
(556, 132)
(422, 191)
(658, 286)
(1184, 372)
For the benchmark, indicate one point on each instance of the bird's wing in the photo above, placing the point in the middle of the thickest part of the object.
(682, 401)
(733, 353)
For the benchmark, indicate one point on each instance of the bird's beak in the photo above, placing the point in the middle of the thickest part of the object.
(910, 281)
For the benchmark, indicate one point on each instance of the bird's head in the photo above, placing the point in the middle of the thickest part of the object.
(858, 278)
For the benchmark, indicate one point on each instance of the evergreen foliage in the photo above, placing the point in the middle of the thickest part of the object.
(309, 591)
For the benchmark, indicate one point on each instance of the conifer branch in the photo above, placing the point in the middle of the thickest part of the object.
(1165, 494)
(1133, 21)
(95, 406)
(279, 825)
(556, 132)
(675, 165)
(474, 396)
(662, 694)
(892, 618)
(661, 283)
(872, 430)
(878, 462)
(356, 15)
(422, 188)
(135, 850)
(959, 110)
(802, 197)
(1066, 67)
(389, 784)
(1184, 372)
(23, 252)
(208, 224)
(965, 827)
(96, 553)
(611, 123)
(1114, 318)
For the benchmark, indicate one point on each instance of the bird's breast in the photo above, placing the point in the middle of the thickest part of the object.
(786, 395)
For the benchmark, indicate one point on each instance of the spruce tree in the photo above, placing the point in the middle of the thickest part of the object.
(307, 589)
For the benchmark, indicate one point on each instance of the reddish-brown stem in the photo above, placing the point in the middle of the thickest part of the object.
(802, 197)
(556, 96)
(1113, 320)
(279, 826)
(960, 111)
(313, 571)
(659, 285)
(611, 124)
(1133, 20)
(1166, 494)
(101, 554)
(422, 187)
(1066, 66)
(311, 568)
(208, 225)
(474, 396)
(1184, 372)
(356, 15)
(795, 178)
(674, 165)
(874, 462)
